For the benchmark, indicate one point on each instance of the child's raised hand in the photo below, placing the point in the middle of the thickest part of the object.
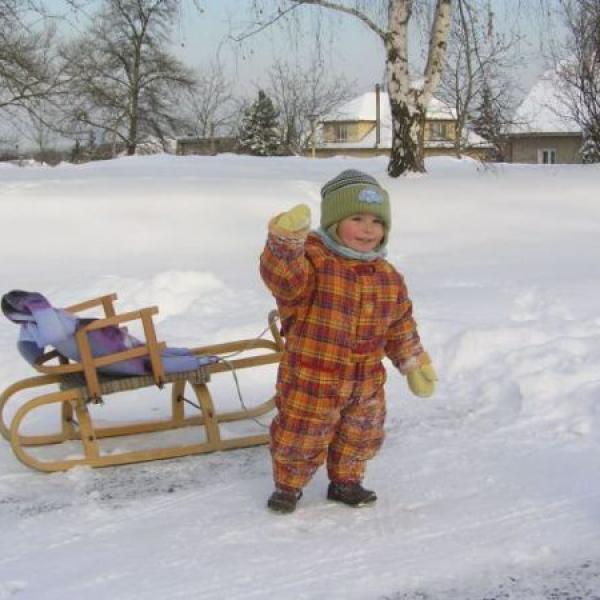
(295, 219)
(421, 380)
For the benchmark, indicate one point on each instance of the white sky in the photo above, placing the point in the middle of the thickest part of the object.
(352, 49)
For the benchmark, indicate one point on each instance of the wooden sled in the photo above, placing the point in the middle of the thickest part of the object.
(80, 384)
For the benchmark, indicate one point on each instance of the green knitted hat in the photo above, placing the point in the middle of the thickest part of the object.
(353, 192)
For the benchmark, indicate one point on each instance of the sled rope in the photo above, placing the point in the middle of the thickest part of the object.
(226, 361)
(239, 391)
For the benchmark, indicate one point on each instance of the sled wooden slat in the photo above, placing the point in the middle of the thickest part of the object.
(80, 383)
(114, 384)
(107, 303)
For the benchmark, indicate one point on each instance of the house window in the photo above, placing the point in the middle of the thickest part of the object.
(438, 130)
(547, 156)
(341, 132)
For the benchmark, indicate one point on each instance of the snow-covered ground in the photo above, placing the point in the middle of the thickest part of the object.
(488, 490)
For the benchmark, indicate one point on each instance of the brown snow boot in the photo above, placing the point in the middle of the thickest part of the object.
(351, 493)
(284, 500)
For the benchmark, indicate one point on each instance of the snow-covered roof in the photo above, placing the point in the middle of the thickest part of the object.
(544, 109)
(364, 108)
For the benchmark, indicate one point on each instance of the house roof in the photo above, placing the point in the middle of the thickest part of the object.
(544, 109)
(363, 108)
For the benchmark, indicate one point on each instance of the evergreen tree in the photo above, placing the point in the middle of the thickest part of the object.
(258, 133)
(489, 122)
(590, 150)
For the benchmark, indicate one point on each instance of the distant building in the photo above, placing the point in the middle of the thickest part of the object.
(542, 132)
(205, 146)
(363, 127)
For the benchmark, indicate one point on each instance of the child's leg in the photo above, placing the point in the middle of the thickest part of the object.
(299, 446)
(303, 429)
(358, 436)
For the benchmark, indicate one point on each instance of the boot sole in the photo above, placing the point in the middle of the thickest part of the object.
(282, 507)
(359, 504)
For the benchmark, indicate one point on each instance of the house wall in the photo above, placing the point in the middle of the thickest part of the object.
(436, 130)
(435, 127)
(356, 130)
(525, 149)
(353, 152)
(476, 153)
(205, 146)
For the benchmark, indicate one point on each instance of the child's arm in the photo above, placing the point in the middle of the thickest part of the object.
(283, 265)
(403, 346)
(404, 349)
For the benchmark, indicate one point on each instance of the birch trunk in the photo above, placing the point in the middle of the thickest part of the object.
(408, 106)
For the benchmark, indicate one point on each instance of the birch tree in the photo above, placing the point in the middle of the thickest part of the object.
(389, 21)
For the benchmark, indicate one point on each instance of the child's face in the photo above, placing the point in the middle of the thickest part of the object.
(361, 232)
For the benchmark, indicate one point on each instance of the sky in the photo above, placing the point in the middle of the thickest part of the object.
(351, 49)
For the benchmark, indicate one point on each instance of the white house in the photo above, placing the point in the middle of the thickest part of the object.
(543, 131)
(363, 127)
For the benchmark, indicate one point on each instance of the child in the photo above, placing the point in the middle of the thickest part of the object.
(343, 307)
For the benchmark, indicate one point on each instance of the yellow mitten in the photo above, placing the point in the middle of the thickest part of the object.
(421, 380)
(296, 219)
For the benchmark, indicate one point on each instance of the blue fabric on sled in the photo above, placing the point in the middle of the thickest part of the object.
(42, 326)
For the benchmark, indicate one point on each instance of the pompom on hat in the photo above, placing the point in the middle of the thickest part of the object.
(354, 192)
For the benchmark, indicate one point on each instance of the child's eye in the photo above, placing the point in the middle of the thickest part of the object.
(378, 221)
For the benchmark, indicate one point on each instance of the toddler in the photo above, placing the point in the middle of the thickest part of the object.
(343, 307)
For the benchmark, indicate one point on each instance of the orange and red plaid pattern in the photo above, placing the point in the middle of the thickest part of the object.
(335, 422)
(340, 317)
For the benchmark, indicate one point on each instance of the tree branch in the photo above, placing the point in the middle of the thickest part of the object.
(282, 12)
(349, 11)
(262, 26)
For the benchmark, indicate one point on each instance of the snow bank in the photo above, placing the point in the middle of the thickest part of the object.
(488, 488)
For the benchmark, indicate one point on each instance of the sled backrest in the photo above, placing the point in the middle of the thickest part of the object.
(88, 364)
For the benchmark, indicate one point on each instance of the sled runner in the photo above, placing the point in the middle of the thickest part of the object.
(87, 380)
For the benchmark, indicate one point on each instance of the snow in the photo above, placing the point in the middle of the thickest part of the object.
(364, 108)
(545, 109)
(487, 490)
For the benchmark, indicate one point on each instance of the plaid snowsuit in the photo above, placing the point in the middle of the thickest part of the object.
(340, 317)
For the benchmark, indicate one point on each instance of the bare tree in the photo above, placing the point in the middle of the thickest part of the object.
(579, 69)
(209, 107)
(27, 67)
(389, 21)
(122, 80)
(475, 81)
(303, 94)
